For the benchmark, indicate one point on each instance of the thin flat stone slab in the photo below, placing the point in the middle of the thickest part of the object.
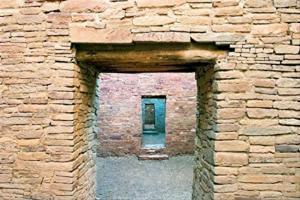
(153, 157)
(83, 6)
(217, 37)
(100, 36)
(173, 37)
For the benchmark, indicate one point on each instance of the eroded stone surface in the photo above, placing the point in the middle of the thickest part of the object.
(100, 36)
(47, 102)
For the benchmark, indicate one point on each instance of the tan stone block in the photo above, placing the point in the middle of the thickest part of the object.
(218, 37)
(276, 168)
(8, 4)
(231, 159)
(32, 156)
(231, 28)
(233, 146)
(61, 95)
(193, 12)
(5, 178)
(225, 188)
(224, 196)
(63, 117)
(295, 27)
(270, 195)
(287, 105)
(194, 20)
(288, 114)
(25, 108)
(240, 20)
(55, 142)
(258, 3)
(230, 113)
(290, 18)
(270, 29)
(230, 104)
(262, 149)
(288, 139)
(232, 86)
(153, 20)
(254, 130)
(100, 36)
(228, 11)
(226, 127)
(289, 122)
(83, 6)
(59, 129)
(287, 49)
(226, 136)
(262, 140)
(253, 178)
(225, 171)
(225, 3)
(162, 37)
(259, 113)
(225, 179)
(269, 186)
(155, 3)
(289, 91)
(50, 6)
(29, 142)
(266, 83)
(260, 103)
(229, 75)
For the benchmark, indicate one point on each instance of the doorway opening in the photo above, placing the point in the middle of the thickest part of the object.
(186, 61)
(146, 116)
(153, 122)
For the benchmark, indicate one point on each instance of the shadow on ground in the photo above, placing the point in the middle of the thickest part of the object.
(127, 178)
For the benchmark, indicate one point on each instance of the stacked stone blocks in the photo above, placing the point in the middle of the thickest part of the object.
(247, 149)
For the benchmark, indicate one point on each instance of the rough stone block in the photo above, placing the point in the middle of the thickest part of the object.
(228, 11)
(83, 6)
(287, 49)
(8, 4)
(217, 37)
(260, 178)
(230, 113)
(232, 146)
(258, 113)
(287, 148)
(155, 3)
(270, 29)
(284, 3)
(172, 37)
(100, 36)
(231, 159)
(153, 20)
(258, 3)
(265, 131)
(194, 20)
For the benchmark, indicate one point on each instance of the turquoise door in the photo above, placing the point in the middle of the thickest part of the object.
(153, 117)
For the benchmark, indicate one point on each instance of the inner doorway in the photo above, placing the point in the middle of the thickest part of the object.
(153, 119)
(178, 58)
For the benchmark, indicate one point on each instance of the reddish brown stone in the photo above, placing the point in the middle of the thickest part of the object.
(162, 37)
(83, 6)
(105, 36)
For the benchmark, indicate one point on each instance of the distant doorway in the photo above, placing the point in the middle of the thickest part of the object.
(153, 119)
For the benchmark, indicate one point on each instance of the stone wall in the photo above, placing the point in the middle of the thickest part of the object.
(203, 187)
(46, 154)
(120, 123)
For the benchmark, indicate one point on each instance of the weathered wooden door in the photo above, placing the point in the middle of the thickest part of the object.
(153, 117)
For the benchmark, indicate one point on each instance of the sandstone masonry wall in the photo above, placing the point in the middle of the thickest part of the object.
(45, 153)
(120, 123)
